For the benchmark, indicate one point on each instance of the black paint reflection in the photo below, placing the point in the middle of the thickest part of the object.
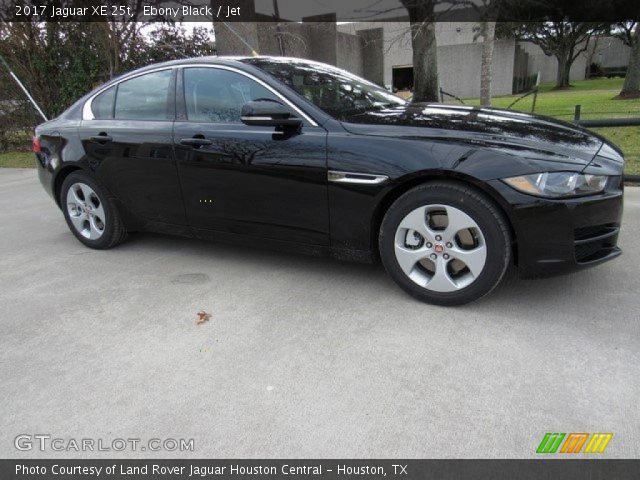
(497, 123)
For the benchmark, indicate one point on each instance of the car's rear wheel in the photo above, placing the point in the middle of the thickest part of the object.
(445, 243)
(90, 212)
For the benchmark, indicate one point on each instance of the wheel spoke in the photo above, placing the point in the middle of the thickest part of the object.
(78, 221)
(417, 221)
(441, 281)
(87, 192)
(408, 258)
(94, 231)
(74, 195)
(99, 212)
(473, 259)
(458, 220)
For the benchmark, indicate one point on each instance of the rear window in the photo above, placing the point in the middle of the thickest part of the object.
(102, 105)
(146, 97)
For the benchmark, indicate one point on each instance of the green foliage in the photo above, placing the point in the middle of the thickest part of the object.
(60, 62)
(171, 42)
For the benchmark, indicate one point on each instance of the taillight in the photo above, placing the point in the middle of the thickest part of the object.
(35, 145)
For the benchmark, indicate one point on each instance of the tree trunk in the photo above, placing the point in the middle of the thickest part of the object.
(425, 62)
(489, 30)
(631, 87)
(564, 68)
(423, 43)
(590, 54)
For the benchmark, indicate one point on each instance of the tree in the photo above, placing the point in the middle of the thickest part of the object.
(629, 33)
(488, 33)
(55, 61)
(591, 52)
(423, 43)
(171, 42)
(60, 61)
(564, 40)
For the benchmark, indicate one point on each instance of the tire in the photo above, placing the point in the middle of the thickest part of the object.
(444, 264)
(90, 212)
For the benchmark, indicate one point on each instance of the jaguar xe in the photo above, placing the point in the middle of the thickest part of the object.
(298, 155)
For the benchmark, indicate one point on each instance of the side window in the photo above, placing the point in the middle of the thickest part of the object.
(216, 95)
(102, 105)
(146, 97)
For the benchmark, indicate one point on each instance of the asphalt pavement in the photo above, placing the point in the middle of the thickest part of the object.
(302, 357)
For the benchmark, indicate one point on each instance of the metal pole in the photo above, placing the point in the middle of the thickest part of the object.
(535, 98)
(24, 89)
(576, 113)
(253, 52)
(610, 122)
(276, 13)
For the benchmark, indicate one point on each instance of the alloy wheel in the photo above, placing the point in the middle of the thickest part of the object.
(86, 211)
(440, 248)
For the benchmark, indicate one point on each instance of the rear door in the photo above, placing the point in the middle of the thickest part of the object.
(129, 145)
(241, 179)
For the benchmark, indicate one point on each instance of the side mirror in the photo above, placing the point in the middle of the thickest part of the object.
(268, 113)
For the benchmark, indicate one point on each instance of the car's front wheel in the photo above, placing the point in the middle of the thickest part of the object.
(445, 243)
(90, 212)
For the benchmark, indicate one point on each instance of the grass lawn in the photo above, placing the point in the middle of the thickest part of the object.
(596, 98)
(18, 160)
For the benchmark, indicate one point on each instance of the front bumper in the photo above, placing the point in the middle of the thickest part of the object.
(557, 236)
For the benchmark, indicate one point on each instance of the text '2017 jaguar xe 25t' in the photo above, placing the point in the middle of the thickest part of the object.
(303, 156)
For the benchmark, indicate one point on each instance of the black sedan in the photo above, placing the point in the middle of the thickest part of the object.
(302, 156)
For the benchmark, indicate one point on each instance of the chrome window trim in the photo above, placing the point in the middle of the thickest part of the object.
(87, 113)
(256, 118)
(336, 176)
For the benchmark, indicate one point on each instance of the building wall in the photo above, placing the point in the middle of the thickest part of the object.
(323, 43)
(372, 54)
(349, 52)
(294, 36)
(459, 68)
(548, 65)
(610, 52)
(458, 56)
(457, 33)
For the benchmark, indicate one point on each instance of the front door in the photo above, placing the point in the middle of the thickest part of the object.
(247, 180)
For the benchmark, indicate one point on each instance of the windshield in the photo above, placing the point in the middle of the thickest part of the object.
(337, 92)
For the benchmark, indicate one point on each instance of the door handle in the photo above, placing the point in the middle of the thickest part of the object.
(195, 142)
(102, 138)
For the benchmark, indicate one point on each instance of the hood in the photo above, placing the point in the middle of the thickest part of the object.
(488, 126)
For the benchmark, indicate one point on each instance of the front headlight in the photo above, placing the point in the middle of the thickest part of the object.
(557, 184)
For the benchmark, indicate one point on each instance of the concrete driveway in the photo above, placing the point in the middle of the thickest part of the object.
(303, 357)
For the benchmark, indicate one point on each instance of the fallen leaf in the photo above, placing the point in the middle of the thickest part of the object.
(202, 317)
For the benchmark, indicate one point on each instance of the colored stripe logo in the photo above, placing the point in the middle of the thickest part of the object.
(598, 443)
(573, 442)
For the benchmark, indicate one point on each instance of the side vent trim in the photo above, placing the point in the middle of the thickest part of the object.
(355, 178)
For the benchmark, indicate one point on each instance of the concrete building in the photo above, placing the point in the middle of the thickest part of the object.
(515, 64)
(459, 56)
(382, 53)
